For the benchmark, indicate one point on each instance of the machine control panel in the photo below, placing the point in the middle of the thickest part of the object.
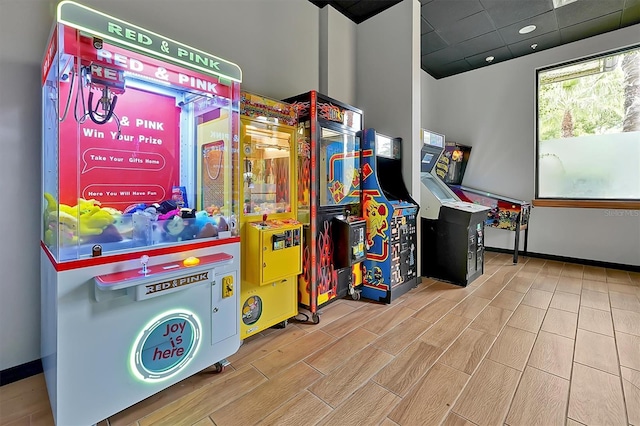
(276, 247)
(349, 235)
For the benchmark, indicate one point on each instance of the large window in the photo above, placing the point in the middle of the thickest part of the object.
(588, 130)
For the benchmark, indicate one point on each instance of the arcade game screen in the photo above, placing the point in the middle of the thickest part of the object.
(339, 167)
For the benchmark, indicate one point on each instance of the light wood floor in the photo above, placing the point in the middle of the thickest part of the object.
(540, 342)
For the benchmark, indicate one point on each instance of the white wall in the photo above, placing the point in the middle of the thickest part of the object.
(337, 53)
(389, 77)
(428, 112)
(493, 110)
(24, 28)
(275, 43)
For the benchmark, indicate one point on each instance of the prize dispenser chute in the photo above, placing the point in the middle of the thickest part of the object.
(140, 251)
(271, 234)
(329, 200)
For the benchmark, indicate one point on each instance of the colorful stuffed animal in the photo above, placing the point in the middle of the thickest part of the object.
(68, 225)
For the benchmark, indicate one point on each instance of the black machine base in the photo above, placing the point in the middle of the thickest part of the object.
(453, 247)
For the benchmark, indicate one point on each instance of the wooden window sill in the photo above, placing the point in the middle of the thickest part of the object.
(587, 204)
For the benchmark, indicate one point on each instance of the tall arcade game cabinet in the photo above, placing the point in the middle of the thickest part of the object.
(391, 267)
(329, 200)
(140, 250)
(452, 231)
(506, 213)
(271, 233)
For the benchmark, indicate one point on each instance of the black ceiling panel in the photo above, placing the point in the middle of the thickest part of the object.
(500, 54)
(544, 23)
(425, 27)
(431, 42)
(506, 12)
(457, 35)
(543, 41)
(590, 28)
(585, 10)
(442, 70)
(440, 13)
(467, 28)
(444, 56)
(481, 44)
(358, 10)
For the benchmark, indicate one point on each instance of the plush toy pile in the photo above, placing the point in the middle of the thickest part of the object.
(89, 223)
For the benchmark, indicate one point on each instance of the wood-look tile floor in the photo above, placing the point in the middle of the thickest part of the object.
(536, 343)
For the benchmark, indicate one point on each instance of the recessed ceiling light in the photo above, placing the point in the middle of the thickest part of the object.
(534, 45)
(527, 29)
(489, 58)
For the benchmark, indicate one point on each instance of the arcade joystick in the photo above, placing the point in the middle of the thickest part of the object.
(264, 219)
(144, 260)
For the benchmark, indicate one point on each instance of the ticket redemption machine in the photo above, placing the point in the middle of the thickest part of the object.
(271, 233)
(140, 251)
(329, 200)
(391, 267)
(452, 231)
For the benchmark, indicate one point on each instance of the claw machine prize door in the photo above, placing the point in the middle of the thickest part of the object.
(271, 233)
(140, 252)
(329, 200)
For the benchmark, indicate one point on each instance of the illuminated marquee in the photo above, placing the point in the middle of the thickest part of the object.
(146, 42)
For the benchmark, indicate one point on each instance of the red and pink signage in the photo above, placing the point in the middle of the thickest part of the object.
(139, 160)
(140, 165)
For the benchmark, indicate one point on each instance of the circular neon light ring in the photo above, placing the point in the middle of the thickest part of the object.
(165, 345)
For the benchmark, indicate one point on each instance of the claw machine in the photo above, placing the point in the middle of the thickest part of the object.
(271, 233)
(329, 200)
(140, 248)
(391, 266)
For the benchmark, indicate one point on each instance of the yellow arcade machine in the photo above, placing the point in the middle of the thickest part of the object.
(271, 235)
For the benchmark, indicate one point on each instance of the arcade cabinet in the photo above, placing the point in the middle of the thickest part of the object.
(140, 251)
(452, 231)
(329, 200)
(271, 233)
(506, 213)
(391, 267)
(453, 162)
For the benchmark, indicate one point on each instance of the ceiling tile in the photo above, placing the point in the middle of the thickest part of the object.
(425, 27)
(452, 30)
(451, 68)
(544, 23)
(506, 12)
(585, 10)
(481, 44)
(467, 28)
(363, 9)
(345, 4)
(590, 28)
(631, 13)
(446, 55)
(499, 55)
(430, 42)
(440, 13)
(543, 41)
